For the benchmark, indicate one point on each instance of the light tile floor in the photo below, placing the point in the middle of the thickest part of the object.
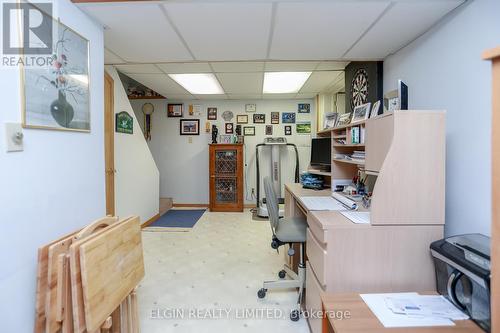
(220, 264)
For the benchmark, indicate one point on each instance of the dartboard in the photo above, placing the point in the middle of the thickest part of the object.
(359, 88)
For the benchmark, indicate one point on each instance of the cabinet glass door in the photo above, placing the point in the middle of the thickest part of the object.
(225, 176)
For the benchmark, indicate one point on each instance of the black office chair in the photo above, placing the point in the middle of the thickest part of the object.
(285, 231)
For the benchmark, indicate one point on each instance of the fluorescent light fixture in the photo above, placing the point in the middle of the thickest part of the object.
(198, 84)
(284, 82)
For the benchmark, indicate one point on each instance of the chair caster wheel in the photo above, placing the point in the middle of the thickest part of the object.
(282, 274)
(295, 315)
(261, 293)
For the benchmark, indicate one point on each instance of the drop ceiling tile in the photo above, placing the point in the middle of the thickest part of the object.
(237, 67)
(241, 83)
(321, 30)
(416, 18)
(111, 58)
(223, 31)
(184, 68)
(319, 81)
(138, 32)
(211, 97)
(160, 83)
(332, 65)
(278, 96)
(290, 66)
(244, 96)
(139, 69)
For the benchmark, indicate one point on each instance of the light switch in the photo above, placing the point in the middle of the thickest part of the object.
(190, 139)
(14, 137)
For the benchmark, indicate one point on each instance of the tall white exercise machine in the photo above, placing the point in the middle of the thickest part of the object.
(275, 147)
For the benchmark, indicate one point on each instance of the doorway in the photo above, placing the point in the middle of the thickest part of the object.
(109, 143)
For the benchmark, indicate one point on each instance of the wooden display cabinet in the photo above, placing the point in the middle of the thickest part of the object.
(226, 178)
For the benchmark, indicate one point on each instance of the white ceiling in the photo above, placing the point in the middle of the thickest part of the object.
(239, 39)
(240, 80)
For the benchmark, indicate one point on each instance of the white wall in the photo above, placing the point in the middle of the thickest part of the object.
(444, 70)
(137, 180)
(53, 187)
(184, 166)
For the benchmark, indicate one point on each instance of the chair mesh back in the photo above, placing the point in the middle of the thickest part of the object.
(271, 203)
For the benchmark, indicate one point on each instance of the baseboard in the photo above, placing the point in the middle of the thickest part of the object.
(250, 206)
(190, 205)
(151, 220)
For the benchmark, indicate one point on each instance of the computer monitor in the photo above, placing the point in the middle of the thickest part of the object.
(321, 152)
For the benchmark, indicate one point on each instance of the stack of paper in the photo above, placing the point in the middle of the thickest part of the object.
(412, 310)
(357, 217)
(322, 203)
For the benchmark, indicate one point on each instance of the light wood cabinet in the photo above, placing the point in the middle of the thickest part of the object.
(379, 133)
(226, 178)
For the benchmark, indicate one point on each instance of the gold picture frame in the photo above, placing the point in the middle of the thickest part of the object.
(67, 82)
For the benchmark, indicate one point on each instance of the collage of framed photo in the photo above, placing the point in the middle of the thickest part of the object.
(288, 117)
(275, 117)
(259, 118)
(229, 128)
(249, 131)
(212, 113)
(189, 127)
(174, 110)
(242, 119)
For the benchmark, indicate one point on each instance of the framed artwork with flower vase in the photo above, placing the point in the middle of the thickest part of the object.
(56, 94)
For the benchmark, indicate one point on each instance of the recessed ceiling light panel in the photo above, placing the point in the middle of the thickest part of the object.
(198, 84)
(284, 82)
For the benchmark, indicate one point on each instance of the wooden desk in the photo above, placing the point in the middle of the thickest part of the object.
(294, 207)
(362, 319)
(346, 257)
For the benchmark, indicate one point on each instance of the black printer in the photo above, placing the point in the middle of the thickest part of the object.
(463, 272)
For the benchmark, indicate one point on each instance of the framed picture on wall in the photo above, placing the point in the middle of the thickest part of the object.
(212, 113)
(229, 128)
(275, 117)
(269, 129)
(304, 108)
(288, 130)
(57, 97)
(249, 130)
(242, 119)
(288, 117)
(250, 107)
(189, 127)
(259, 118)
(174, 110)
(303, 127)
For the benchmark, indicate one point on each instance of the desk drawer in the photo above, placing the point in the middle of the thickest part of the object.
(313, 299)
(316, 228)
(317, 257)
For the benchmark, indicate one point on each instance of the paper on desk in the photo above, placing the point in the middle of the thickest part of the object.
(377, 304)
(357, 217)
(425, 305)
(322, 203)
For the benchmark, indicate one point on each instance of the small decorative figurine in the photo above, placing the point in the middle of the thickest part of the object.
(215, 131)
